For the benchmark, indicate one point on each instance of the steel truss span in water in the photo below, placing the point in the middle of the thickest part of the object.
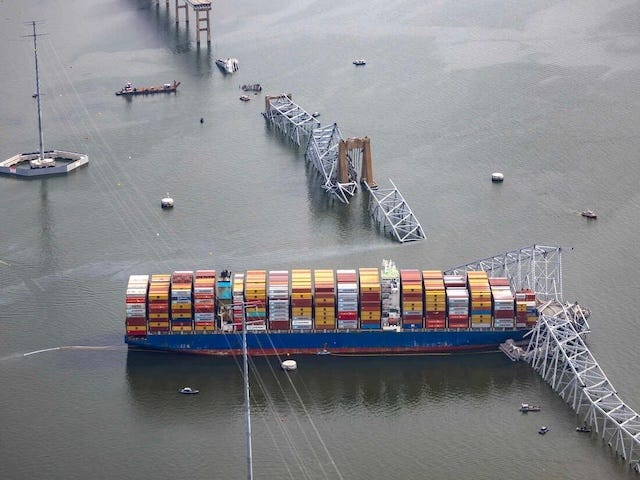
(557, 350)
(390, 210)
(338, 161)
(558, 353)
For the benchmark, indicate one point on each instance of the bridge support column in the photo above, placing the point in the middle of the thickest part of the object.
(366, 174)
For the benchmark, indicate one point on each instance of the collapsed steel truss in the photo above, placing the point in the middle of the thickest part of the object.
(393, 214)
(558, 353)
(536, 267)
(291, 119)
(322, 152)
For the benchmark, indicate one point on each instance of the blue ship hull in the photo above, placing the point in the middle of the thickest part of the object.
(359, 342)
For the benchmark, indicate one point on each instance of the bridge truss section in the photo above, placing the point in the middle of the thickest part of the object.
(289, 118)
(323, 153)
(558, 353)
(393, 214)
(537, 267)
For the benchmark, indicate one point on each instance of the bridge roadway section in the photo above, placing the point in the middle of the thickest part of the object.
(558, 352)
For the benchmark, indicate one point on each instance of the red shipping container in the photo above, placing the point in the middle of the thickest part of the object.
(136, 299)
(347, 315)
(370, 296)
(136, 322)
(302, 302)
(279, 325)
(436, 323)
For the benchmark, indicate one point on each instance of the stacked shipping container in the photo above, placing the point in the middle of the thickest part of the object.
(526, 310)
(301, 300)
(366, 299)
(457, 301)
(181, 306)
(369, 298)
(136, 305)
(503, 305)
(279, 300)
(347, 281)
(435, 300)
(158, 303)
(390, 294)
(204, 296)
(255, 293)
(411, 294)
(324, 298)
(480, 299)
(237, 296)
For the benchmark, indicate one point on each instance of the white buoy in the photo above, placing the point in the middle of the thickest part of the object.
(497, 177)
(289, 365)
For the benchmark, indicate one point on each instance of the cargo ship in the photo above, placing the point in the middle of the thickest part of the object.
(368, 311)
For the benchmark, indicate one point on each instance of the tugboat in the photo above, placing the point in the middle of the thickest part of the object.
(543, 430)
(359, 62)
(589, 214)
(583, 428)
(525, 407)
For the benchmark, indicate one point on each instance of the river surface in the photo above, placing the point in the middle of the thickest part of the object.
(544, 91)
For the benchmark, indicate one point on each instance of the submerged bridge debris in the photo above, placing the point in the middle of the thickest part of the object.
(342, 164)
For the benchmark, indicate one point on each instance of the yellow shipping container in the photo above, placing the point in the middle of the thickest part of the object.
(136, 328)
(329, 324)
(161, 277)
(181, 306)
(480, 318)
(159, 324)
(205, 328)
(159, 296)
(181, 328)
(159, 315)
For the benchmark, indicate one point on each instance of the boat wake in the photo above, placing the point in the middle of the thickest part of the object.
(76, 347)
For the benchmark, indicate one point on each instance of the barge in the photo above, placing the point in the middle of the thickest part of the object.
(368, 311)
(129, 89)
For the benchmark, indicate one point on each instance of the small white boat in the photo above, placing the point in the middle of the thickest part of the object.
(315, 114)
(229, 65)
(583, 429)
(543, 430)
(166, 202)
(245, 98)
(589, 214)
(289, 365)
(188, 391)
(359, 62)
(497, 177)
